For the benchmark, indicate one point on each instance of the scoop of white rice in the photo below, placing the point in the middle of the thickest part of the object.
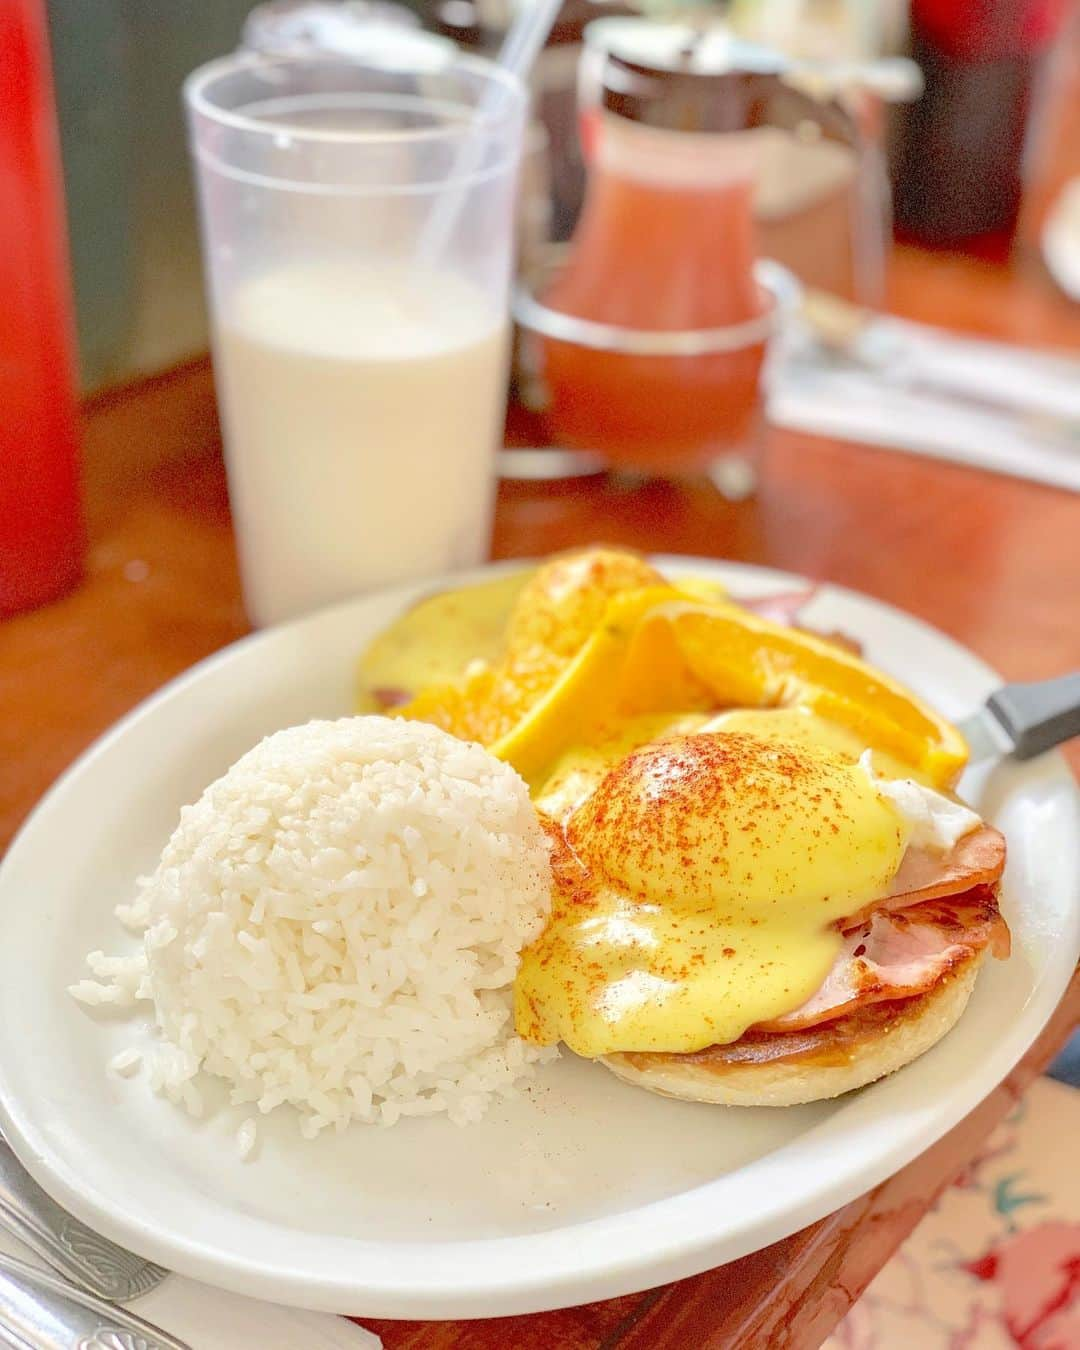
(336, 923)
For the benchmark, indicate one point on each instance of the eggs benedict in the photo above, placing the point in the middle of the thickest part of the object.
(754, 918)
(750, 905)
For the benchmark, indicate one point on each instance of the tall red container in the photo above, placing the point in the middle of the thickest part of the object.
(960, 159)
(41, 531)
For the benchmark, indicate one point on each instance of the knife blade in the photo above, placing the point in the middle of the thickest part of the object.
(1042, 395)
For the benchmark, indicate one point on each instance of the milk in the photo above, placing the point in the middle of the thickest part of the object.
(361, 407)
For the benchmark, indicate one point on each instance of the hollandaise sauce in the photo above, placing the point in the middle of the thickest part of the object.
(698, 880)
(436, 640)
(804, 727)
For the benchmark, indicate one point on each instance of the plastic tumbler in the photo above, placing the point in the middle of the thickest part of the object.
(357, 225)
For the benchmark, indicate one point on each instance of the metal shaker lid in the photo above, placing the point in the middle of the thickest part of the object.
(693, 78)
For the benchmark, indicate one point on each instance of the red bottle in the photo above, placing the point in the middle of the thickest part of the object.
(41, 531)
(960, 162)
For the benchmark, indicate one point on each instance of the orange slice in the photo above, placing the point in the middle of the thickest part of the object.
(654, 652)
(554, 614)
(749, 661)
(594, 691)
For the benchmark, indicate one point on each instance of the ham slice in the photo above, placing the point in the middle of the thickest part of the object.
(939, 912)
(978, 859)
(900, 954)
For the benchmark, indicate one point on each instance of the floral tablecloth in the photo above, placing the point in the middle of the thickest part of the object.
(996, 1263)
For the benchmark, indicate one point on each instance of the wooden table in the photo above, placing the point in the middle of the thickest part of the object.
(990, 560)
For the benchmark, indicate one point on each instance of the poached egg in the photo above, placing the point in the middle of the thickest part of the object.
(699, 878)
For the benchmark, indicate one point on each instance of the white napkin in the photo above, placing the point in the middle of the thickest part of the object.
(908, 405)
(212, 1319)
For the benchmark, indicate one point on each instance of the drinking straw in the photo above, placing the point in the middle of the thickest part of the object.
(526, 36)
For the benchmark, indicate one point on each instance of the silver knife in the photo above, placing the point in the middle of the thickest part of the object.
(27, 1293)
(40, 1311)
(859, 337)
(1023, 720)
(76, 1251)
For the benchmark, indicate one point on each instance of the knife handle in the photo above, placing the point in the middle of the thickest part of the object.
(1040, 715)
(40, 1311)
(77, 1252)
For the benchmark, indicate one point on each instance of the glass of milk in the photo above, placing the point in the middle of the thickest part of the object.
(357, 219)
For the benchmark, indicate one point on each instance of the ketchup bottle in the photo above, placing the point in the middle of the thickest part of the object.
(41, 530)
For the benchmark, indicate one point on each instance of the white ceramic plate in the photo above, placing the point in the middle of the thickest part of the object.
(582, 1189)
